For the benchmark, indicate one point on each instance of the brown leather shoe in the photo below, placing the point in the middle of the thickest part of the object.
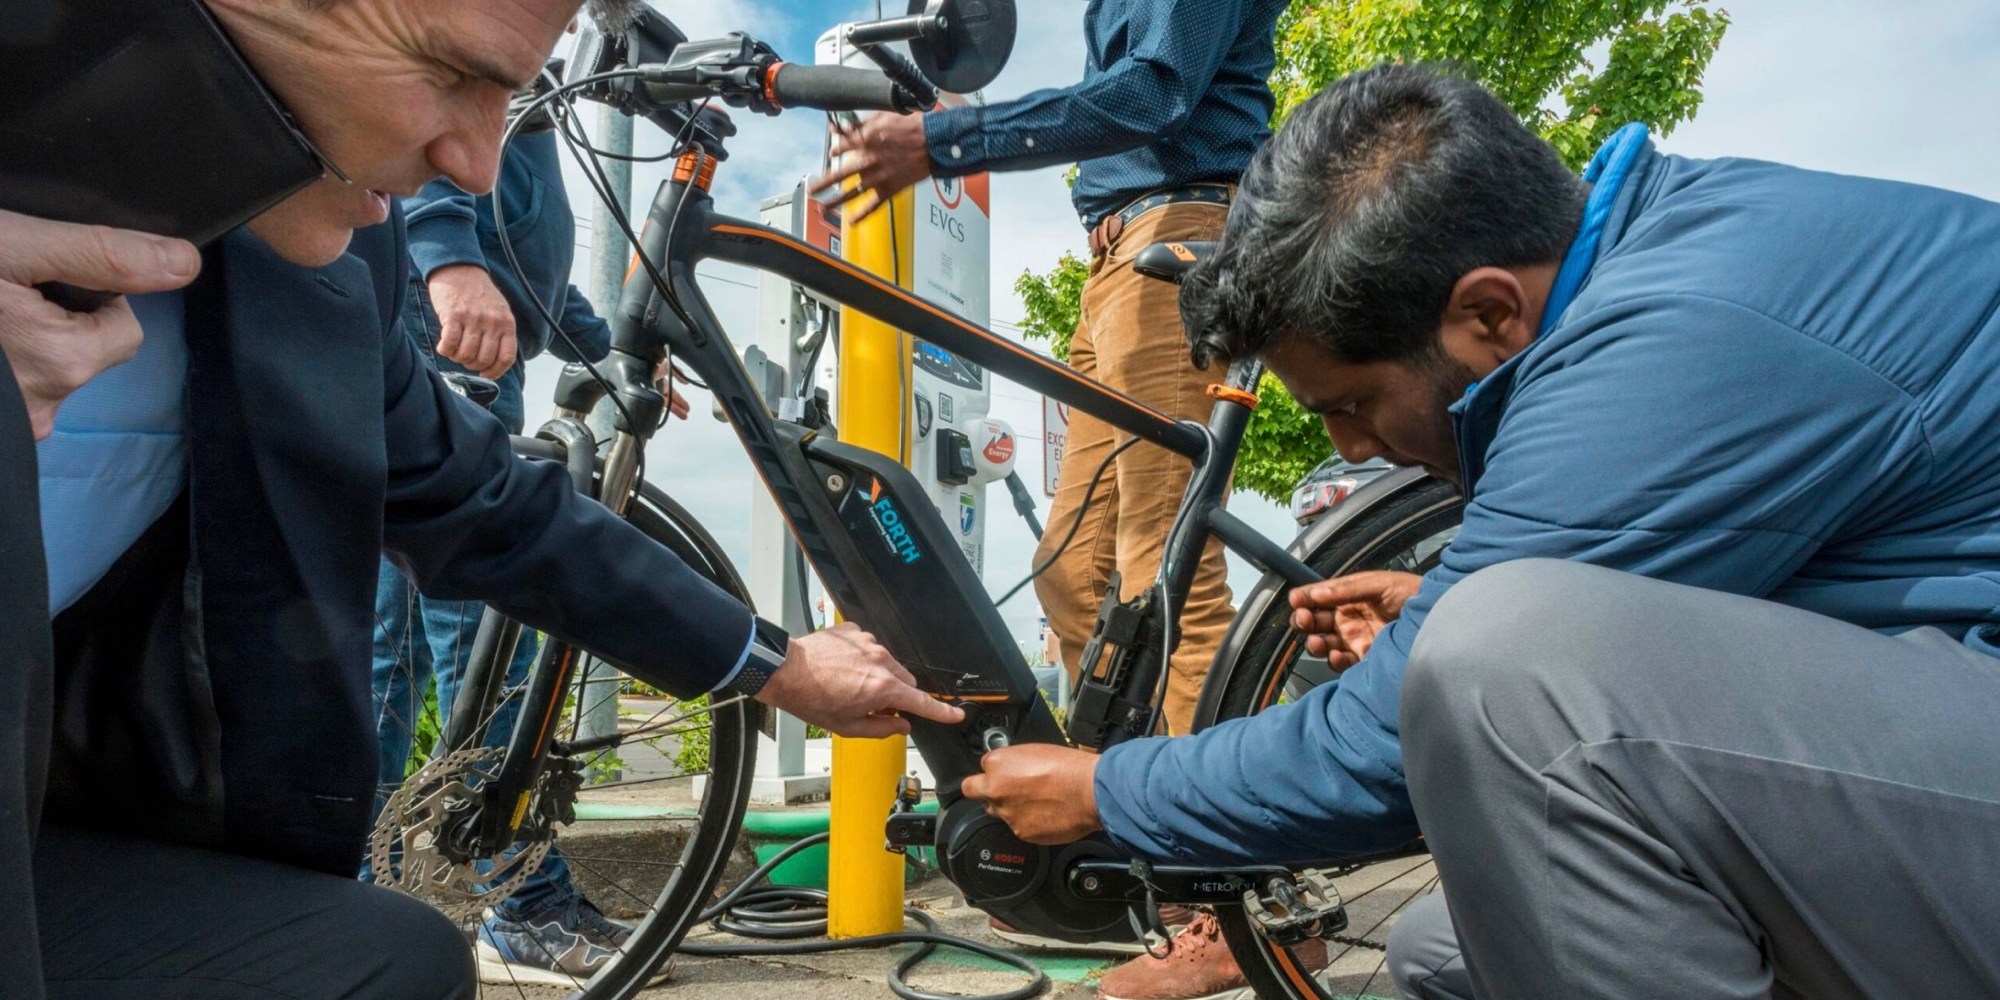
(1200, 967)
(1171, 916)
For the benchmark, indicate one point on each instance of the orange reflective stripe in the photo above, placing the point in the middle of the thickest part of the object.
(1233, 394)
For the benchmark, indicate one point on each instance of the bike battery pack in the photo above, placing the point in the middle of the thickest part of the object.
(139, 114)
(893, 567)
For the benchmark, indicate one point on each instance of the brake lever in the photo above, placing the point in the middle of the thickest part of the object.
(921, 95)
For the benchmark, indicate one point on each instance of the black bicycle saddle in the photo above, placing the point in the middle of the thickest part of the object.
(1172, 261)
(479, 390)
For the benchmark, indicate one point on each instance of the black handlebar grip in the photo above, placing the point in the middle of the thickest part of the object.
(834, 88)
(74, 299)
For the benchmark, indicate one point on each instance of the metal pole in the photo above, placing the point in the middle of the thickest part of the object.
(777, 576)
(598, 687)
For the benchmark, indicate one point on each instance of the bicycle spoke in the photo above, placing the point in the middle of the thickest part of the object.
(613, 883)
(1383, 962)
(567, 856)
(1363, 894)
(708, 709)
(639, 781)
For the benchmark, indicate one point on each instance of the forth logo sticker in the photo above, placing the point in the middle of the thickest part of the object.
(895, 533)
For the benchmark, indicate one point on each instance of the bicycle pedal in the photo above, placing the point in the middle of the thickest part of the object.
(1290, 910)
(908, 828)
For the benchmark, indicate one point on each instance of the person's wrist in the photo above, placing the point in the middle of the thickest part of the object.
(456, 272)
(945, 135)
(770, 650)
(1087, 793)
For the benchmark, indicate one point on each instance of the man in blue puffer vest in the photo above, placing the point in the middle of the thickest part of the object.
(1700, 701)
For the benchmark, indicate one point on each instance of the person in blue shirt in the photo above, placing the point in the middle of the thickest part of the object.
(1173, 102)
(1700, 701)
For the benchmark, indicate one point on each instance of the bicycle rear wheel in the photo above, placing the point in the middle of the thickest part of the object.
(1405, 525)
(645, 848)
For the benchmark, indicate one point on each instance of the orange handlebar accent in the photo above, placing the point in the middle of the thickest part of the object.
(685, 170)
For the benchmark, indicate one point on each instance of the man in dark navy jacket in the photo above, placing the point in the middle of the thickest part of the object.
(187, 767)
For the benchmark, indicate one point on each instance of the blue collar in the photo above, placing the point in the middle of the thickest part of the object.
(1606, 174)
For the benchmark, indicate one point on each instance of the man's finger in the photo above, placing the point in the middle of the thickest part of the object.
(838, 174)
(975, 786)
(911, 701)
(1340, 590)
(93, 257)
(449, 331)
(843, 196)
(484, 350)
(1315, 620)
(869, 205)
(504, 361)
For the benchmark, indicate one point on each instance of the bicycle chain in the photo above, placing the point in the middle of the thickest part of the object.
(403, 847)
(1358, 942)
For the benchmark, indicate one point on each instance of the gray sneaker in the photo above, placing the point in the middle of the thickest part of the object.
(562, 946)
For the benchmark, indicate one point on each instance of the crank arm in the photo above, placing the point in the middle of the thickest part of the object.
(1285, 906)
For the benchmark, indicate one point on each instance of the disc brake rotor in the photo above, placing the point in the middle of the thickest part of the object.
(404, 848)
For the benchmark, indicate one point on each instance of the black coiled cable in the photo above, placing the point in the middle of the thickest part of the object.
(786, 913)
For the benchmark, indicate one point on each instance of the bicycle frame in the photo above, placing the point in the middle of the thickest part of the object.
(891, 569)
(683, 229)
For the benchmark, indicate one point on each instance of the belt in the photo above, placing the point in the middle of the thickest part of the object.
(1104, 235)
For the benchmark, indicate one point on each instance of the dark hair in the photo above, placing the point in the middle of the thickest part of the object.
(1355, 221)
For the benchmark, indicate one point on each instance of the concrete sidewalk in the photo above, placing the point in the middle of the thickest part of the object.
(863, 975)
(625, 832)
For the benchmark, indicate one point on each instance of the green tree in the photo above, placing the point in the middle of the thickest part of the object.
(1574, 70)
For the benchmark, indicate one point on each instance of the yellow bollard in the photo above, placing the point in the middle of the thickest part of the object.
(865, 882)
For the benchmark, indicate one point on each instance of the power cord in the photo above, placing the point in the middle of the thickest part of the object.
(1075, 523)
(786, 913)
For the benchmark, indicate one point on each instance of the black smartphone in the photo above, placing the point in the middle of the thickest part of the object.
(139, 114)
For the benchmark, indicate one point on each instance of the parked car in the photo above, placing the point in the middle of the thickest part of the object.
(1329, 483)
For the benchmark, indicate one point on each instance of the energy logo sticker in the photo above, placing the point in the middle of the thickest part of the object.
(949, 190)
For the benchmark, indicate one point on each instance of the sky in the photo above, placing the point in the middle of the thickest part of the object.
(1908, 90)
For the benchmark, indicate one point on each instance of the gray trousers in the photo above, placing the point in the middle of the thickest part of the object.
(1635, 789)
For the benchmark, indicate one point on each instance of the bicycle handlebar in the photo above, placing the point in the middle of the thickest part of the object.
(835, 88)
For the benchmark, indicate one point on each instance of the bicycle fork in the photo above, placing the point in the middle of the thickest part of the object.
(503, 811)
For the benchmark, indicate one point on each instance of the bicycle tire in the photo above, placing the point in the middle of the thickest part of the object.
(690, 878)
(1405, 528)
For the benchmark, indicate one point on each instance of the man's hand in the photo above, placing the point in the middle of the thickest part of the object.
(1341, 616)
(842, 680)
(53, 351)
(664, 377)
(887, 152)
(476, 326)
(1046, 793)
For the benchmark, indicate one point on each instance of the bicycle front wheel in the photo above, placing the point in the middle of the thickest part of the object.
(647, 825)
(1403, 526)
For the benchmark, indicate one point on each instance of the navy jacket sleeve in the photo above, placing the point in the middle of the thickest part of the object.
(587, 330)
(466, 519)
(1174, 49)
(444, 228)
(1595, 461)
